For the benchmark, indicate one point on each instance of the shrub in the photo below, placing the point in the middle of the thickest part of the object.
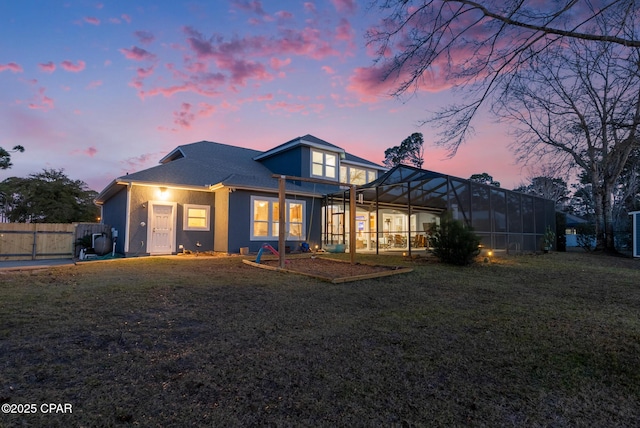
(454, 242)
(586, 235)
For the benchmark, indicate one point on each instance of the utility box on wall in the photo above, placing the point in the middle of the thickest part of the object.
(635, 219)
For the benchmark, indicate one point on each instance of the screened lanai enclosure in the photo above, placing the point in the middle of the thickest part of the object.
(401, 209)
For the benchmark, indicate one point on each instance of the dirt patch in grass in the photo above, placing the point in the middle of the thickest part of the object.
(332, 270)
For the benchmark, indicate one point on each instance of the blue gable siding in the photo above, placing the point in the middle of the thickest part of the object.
(190, 238)
(290, 162)
(240, 221)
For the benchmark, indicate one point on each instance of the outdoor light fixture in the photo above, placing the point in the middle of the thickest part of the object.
(163, 193)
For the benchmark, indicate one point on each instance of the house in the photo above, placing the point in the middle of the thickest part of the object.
(209, 196)
(214, 197)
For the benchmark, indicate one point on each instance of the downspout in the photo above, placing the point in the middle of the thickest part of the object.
(409, 219)
(127, 227)
(377, 222)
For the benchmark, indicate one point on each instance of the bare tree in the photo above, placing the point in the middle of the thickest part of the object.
(478, 46)
(547, 187)
(579, 105)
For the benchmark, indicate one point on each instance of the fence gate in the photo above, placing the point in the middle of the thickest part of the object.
(40, 241)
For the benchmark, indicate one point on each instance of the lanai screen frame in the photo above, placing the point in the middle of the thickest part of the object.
(503, 219)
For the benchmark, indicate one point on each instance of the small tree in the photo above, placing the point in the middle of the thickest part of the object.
(454, 242)
(5, 156)
(484, 178)
(410, 151)
(586, 235)
(47, 197)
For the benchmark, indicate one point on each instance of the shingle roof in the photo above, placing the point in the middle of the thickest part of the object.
(207, 163)
(203, 163)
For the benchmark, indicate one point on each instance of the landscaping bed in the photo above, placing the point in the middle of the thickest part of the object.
(332, 270)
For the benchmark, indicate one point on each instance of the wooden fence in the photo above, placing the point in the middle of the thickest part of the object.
(39, 241)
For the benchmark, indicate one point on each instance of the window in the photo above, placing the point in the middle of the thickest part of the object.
(352, 175)
(324, 164)
(196, 217)
(264, 219)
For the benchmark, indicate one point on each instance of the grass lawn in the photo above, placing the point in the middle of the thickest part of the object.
(549, 340)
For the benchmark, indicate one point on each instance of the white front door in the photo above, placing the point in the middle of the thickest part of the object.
(161, 233)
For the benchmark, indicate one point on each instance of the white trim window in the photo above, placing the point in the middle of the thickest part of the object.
(264, 219)
(355, 175)
(196, 217)
(324, 164)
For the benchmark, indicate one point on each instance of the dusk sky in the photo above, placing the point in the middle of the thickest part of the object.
(100, 89)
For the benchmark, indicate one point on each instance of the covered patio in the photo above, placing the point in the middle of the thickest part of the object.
(401, 209)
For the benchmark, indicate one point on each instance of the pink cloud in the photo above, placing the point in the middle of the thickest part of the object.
(210, 79)
(138, 162)
(91, 20)
(48, 67)
(254, 6)
(187, 114)
(242, 70)
(71, 67)
(144, 72)
(206, 109)
(227, 56)
(277, 64)
(167, 92)
(283, 105)
(283, 15)
(94, 84)
(310, 42)
(328, 69)
(369, 83)
(309, 7)
(286, 107)
(184, 117)
(145, 37)
(90, 152)
(348, 6)
(12, 66)
(186, 87)
(115, 20)
(126, 18)
(41, 102)
(344, 31)
(137, 54)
